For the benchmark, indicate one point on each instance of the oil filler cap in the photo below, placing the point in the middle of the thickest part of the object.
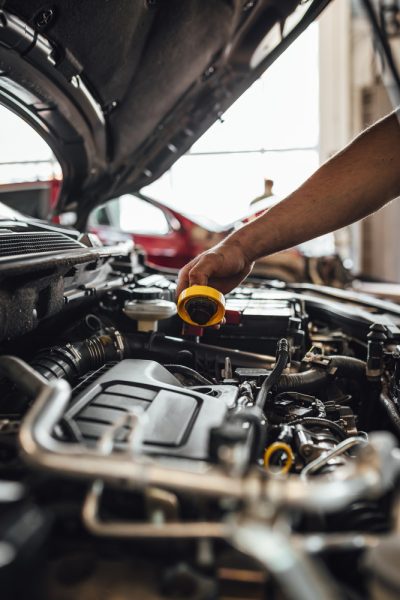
(201, 305)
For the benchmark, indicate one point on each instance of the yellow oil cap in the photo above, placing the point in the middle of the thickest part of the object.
(201, 305)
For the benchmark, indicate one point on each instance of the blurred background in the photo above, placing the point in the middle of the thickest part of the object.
(328, 86)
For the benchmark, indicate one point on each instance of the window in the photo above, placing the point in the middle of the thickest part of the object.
(100, 216)
(24, 155)
(131, 214)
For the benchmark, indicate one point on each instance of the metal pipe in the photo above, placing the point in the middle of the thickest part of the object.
(297, 575)
(322, 460)
(130, 529)
(337, 542)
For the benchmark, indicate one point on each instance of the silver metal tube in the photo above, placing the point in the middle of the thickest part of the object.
(358, 478)
(337, 542)
(322, 460)
(130, 529)
(298, 576)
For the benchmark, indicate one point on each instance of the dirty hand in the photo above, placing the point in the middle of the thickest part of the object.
(223, 267)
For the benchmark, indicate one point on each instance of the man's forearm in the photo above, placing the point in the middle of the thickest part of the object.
(351, 185)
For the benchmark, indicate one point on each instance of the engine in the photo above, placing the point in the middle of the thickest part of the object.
(141, 458)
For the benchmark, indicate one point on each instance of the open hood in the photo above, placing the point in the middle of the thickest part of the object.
(120, 89)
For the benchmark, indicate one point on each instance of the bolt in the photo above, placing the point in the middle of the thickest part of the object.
(306, 450)
(208, 73)
(249, 5)
(44, 18)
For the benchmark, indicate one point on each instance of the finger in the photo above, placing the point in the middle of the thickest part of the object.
(219, 325)
(200, 273)
(198, 278)
(183, 279)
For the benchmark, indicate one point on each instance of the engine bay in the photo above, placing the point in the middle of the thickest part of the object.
(143, 458)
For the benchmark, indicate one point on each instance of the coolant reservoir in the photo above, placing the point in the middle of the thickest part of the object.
(147, 307)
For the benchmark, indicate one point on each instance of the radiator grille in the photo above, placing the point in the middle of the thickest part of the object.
(15, 244)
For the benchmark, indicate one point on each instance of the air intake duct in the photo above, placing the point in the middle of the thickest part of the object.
(74, 360)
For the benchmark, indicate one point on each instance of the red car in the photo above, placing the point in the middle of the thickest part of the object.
(169, 238)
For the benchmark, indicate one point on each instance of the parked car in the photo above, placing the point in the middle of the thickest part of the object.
(168, 237)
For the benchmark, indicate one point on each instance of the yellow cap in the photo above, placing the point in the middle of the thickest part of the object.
(201, 305)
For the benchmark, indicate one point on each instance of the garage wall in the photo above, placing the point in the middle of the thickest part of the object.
(352, 97)
(380, 250)
(335, 78)
(336, 104)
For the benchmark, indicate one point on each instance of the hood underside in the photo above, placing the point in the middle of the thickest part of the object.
(120, 89)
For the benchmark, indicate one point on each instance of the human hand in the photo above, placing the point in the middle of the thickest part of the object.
(223, 267)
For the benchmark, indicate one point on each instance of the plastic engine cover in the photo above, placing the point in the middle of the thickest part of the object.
(178, 420)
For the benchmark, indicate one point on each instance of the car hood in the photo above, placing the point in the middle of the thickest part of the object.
(121, 89)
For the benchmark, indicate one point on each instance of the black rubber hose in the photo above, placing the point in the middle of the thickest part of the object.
(348, 366)
(74, 360)
(282, 357)
(309, 381)
(189, 373)
(390, 409)
(334, 427)
(158, 346)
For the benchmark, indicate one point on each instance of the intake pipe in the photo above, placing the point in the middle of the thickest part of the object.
(72, 361)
